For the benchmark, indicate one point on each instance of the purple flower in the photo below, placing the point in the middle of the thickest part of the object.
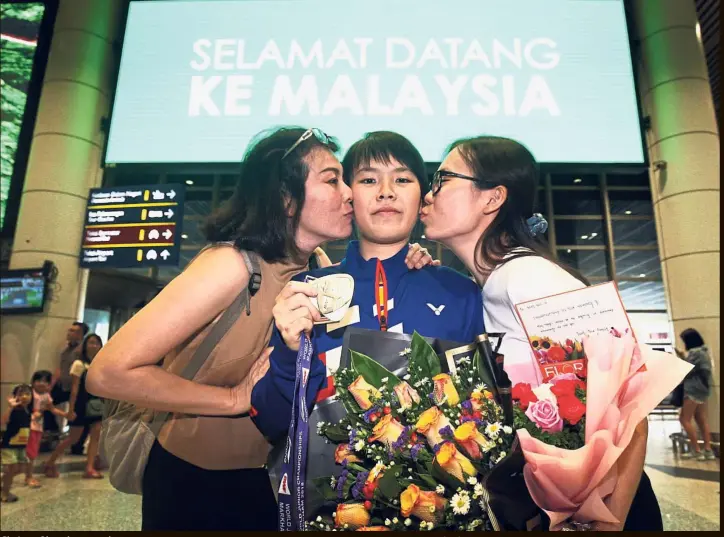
(466, 418)
(467, 405)
(352, 434)
(437, 447)
(446, 432)
(415, 450)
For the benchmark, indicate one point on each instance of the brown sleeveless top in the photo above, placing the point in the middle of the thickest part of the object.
(227, 443)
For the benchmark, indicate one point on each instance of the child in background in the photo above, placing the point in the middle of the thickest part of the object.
(16, 420)
(42, 403)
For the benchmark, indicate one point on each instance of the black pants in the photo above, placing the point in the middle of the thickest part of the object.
(645, 514)
(180, 496)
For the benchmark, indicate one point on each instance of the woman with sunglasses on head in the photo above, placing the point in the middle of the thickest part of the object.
(206, 472)
(481, 207)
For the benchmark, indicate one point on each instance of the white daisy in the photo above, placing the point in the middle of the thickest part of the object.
(493, 430)
(472, 481)
(440, 489)
(507, 429)
(405, 352)
(359, 445)
(479, 489)
(461, 503)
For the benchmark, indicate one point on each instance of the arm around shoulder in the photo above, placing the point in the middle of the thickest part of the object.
(126, 368)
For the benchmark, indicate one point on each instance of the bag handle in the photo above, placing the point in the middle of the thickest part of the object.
(219, 330)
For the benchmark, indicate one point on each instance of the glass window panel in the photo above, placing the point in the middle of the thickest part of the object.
(637, 179)
(225, 195)
(574, 179)
(590, 263)
(638, 263)
(229, 180)
(575, 202)
(634, 232)
(192, 232)
(583, 232)
(642, 295)
(627, 202)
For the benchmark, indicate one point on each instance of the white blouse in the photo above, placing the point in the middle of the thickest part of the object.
(520, 280)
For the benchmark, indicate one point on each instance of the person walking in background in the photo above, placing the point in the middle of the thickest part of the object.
(62, 379)
(42, 403)
(16, 421)
(85, 411)
(697, 389)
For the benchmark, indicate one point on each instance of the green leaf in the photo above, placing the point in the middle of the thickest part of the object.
(428, 480)
(372, 371)
(424, 357)
(336, 434)
(327, 492)
(388, 485)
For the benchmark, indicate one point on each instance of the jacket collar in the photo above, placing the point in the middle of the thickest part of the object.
(362, 269)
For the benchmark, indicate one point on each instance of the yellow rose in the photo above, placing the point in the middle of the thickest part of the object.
(425, 505)
(387, 430)
(353, 514)
(343, 453)
(362, 392)
(468, 436)
(453, 462)
(444, 390)
(430, 423)
(406, 394)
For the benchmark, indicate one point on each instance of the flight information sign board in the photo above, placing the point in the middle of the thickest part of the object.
(134, 226)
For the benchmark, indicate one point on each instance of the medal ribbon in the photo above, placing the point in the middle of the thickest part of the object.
(294, 469)
(381, 295)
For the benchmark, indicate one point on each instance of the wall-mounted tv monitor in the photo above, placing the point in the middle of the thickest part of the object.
(198, 79)
(23, 291)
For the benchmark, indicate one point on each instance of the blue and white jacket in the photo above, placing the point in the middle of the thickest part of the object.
(434, 301)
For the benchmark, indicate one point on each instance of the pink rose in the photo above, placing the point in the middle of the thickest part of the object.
(563, 376)
(545, 415)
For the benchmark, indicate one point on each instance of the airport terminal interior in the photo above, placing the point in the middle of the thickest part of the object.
(124, 123)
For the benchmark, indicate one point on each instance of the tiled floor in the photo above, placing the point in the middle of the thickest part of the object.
(688, 493)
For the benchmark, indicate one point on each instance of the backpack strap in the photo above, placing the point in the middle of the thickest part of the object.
(219, 330)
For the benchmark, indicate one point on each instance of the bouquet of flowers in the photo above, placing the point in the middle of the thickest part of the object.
(414, 452)
(573, 427)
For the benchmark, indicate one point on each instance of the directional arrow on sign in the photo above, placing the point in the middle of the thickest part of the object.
(169, 213)
(165, 254)
(157, 195)
(153, 234)
(167, 234)
(171, 194)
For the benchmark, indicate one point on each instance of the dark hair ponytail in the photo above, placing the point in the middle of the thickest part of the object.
(497, 161)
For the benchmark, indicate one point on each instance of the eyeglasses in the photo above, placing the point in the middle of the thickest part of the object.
(321, 137)
(439, 175)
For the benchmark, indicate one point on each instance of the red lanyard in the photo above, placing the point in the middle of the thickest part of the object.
(381, 295)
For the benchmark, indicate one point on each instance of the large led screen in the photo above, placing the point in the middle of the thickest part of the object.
(20, 25)
(198, 79)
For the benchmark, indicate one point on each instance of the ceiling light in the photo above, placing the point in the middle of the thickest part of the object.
(189, 182)
(627, 212)
(642, 275)
(698, 32)
(584, 237)
(184, 236)
(578, 180)
(568, 251)
(594, 235)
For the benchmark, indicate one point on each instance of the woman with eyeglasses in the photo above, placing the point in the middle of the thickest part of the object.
(206, 471)
(481, 206)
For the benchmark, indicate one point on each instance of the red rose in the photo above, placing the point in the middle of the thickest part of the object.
(571, 409)
(564, 388)
(368, 491)
(556, 354)
(523, 393)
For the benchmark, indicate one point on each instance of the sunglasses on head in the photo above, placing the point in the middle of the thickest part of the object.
(321, 137)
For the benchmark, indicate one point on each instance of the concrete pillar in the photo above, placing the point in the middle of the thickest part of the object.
(64, 163)
(684, 139)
